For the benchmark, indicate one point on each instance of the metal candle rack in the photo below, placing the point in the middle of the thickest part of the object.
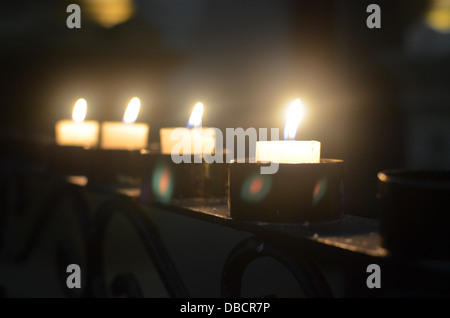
(295, 193)
(313, 191)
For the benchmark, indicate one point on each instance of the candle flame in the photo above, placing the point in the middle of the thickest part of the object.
(79, 110)
(132, 111)
(293, 116)
(196, 116)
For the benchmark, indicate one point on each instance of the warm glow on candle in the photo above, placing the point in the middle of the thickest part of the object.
(126, 135)
(196, 116)
(194, 139)
(79, 110)
(132, 111)
(289, 150)
(77, 132)
(294, 115)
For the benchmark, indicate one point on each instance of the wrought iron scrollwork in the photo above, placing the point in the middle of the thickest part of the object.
(93, 228)
(126, 283)
(307, 275)
(52, 204)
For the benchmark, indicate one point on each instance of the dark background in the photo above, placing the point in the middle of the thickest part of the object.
(376, 98)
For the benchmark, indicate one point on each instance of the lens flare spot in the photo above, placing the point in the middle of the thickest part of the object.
(320, 188)
(162, 183)
(165, 181)
(316, 189)
(256, 187)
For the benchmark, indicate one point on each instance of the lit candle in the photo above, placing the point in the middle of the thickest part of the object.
(126, 135)
(289, 150)
(191, 140)
(77, 132)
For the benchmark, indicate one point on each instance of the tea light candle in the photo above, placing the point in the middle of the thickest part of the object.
(77, 132)
(289, 150)
(126, 135)
(195, 140)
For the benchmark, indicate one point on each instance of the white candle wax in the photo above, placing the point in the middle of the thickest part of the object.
(126, 135)
(118, 135)
(82, 134)
(188, 141)
(289, 151)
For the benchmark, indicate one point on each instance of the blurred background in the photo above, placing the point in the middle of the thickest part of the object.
(376, 98)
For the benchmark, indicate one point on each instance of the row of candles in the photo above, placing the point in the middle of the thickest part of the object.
(129, 135)
(115, 135)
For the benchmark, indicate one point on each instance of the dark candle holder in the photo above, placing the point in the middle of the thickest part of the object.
(415, 213)
(68, 160)
(295, 193)
(164, 180)
(102, 167)
(117, 168)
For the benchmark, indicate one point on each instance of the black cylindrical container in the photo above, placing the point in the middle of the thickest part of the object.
(116, 167)
(415, 213)
(68, 160)
(164, 180)
(295, 193)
